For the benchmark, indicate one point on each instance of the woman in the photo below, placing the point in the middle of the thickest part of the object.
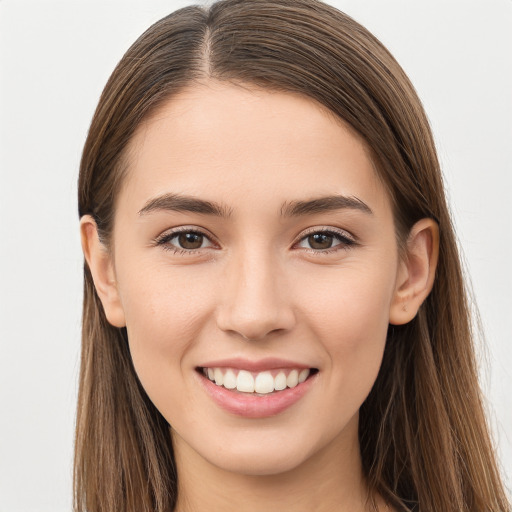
(274, 311)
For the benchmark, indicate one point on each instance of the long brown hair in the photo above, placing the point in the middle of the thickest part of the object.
(424, 441)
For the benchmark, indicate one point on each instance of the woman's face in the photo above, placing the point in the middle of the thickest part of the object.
(254, 244)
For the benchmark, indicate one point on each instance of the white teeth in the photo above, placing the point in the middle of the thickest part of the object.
(303, 375)
(245, 382)
(280, 381)
(230, 380)
(293, 379)
(264, 383)
(219, 378)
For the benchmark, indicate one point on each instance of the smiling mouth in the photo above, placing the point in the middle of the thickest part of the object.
(257, 383)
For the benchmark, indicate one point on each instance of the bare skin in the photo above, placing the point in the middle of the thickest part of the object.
(323, 472)
(219, 252)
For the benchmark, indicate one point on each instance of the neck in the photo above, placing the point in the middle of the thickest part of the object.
(330, 480)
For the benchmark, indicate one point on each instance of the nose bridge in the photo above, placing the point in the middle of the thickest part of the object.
(255, 302)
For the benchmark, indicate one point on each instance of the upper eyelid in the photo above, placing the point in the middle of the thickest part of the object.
(164, 240)
(171, 232)
(326, 229)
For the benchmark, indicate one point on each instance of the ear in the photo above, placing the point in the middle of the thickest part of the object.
(100, 263)
(416, 272)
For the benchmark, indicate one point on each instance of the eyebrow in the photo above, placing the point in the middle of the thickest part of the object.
(324, 204)
(182, 203)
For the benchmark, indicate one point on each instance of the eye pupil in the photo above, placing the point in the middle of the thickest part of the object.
(190, 240)
(320, 241)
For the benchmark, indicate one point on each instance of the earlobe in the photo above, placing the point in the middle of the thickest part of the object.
(100, 263)
(416, 273)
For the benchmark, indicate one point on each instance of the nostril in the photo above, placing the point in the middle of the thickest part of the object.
(255, 310)
(259, 336)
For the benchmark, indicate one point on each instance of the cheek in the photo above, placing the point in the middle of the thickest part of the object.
(162, 305)
(354, 297)
(349, 314)
(163, 312)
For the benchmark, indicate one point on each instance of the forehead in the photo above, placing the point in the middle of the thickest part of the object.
(224, 140)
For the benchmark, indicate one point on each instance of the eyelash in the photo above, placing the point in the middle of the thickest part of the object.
(165, 239)
(345, 240)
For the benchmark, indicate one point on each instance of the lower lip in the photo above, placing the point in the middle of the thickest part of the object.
(249, 405)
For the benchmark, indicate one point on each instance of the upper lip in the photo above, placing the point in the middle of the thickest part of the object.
(269, 363)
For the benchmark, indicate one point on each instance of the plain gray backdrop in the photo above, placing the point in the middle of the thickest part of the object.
(55, 58)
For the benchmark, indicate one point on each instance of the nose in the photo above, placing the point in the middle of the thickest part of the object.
(256, 301)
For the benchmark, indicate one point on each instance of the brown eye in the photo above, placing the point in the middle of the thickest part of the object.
(320, 241)
(184, 241)
(190, 240)
(323, 241)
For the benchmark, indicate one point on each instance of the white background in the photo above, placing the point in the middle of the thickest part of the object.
(55, 58)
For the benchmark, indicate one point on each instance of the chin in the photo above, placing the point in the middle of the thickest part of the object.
(260, 451)
(256, 461)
